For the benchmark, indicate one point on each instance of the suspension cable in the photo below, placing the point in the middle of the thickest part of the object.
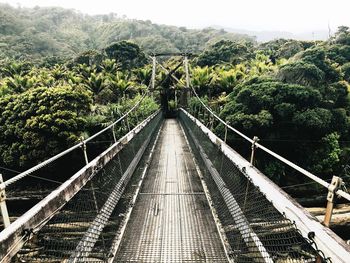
(33, 176)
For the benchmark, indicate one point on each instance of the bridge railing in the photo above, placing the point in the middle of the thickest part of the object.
(26, 188)
(334, 187)
(78, 221)
(260, 221)
(257, 145)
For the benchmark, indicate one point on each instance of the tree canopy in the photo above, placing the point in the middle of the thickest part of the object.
(41, 122)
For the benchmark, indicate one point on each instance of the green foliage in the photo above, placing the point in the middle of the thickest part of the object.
(284, 48)
(317, 57)
(105, 115)
(342, 36)
(225, 51)
(172, 105)
(346, 71)
(90, 57)
(339, 53)
(290, 48)
(302, 73)
(275, 170)
(13, 68)
(328, 157)
(41, 122)
(201, 79)
(292, 113)
(128, 54)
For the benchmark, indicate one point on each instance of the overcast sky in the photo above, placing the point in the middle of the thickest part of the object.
(284, 15)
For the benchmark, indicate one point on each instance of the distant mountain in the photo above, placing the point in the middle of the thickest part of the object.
(264, 36)
(39, 32)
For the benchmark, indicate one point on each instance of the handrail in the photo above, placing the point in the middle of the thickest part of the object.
(272, 153)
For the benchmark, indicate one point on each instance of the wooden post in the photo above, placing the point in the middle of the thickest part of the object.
(84, 150)
(333, 187)
(127, 123)
(188, 82)
(153, 76)
(113, 131)
(3, 207)
(114, 137)
(255, 140)
(225, 137)
(153, 79)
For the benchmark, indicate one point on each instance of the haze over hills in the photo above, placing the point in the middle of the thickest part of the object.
(264, 36)
(34, 33)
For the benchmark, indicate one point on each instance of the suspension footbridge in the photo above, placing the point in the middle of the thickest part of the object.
(170, 190)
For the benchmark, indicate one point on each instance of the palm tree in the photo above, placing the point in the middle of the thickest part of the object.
(58, 72)
(119, 84)
(96, 83)
(110, 66)
(18, 84)
(144, 75)
(16, 68)
(201, 80)
(226, 79)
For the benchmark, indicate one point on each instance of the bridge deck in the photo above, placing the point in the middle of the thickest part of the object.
(171, 220)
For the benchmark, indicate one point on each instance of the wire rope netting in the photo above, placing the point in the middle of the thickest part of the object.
(87, 226)
(256, 231)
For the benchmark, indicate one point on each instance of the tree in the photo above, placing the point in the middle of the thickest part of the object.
(40, 123)
(15, 68)
(346, 71)
(95, 83)
(224, 51)
(201, 80)
(128, 54)
(317, 56)
(302, 73)
(89, 58)
(289, 49)
(286, 117)
(339, 53)
(342, 36)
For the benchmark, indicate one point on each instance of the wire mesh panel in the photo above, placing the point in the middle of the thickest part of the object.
(20, 197)
(255, 229)
(85, 227)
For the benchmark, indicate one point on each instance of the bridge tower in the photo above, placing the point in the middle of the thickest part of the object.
(171, 96)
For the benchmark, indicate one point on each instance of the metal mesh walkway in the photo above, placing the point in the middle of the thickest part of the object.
(171, 220)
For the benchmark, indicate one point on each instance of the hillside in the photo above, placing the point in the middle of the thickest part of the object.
(34, 33)
(268, 35)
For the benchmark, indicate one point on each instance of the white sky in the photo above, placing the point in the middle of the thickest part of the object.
(284, 15)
